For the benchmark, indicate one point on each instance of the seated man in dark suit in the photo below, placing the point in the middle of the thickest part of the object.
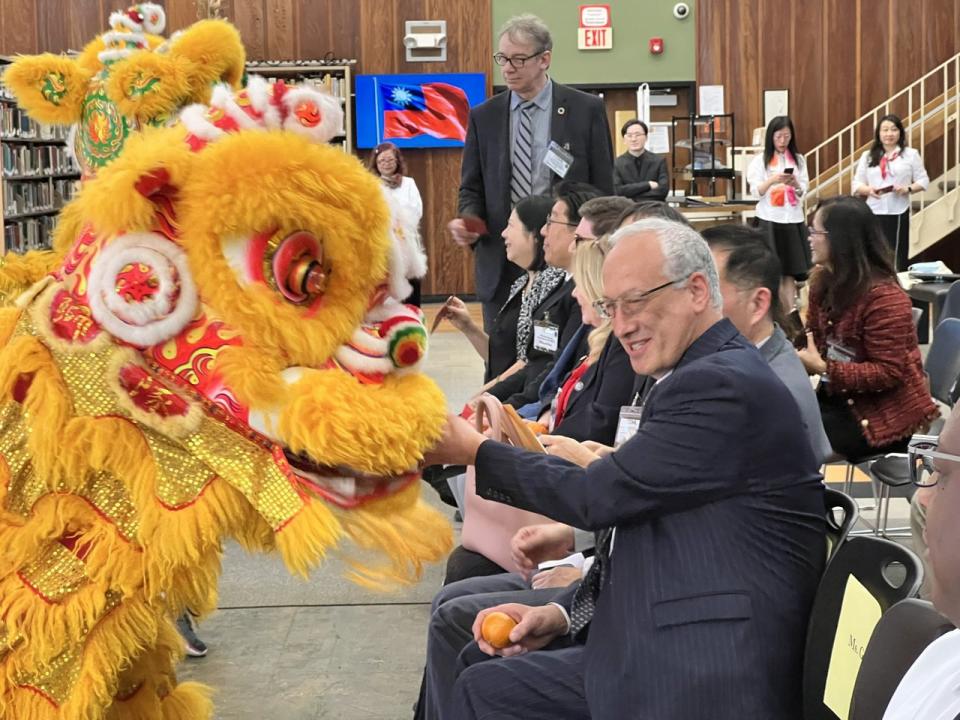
(639, 174)
(710, 544)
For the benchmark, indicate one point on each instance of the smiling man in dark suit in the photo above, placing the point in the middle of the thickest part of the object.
(508, 142)
(639, 174)
(710, 528)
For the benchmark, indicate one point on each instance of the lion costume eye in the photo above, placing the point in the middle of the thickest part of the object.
(298, 269)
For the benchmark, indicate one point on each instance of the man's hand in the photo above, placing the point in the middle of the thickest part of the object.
(557, 577)
(536, 628)
(457, 446)
(533, 544)
(462, 236)
(598, 448)
(568, 449)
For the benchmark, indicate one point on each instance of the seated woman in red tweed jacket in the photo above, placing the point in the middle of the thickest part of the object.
(861, 338)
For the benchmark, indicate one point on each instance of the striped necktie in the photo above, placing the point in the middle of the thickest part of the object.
(521, 179)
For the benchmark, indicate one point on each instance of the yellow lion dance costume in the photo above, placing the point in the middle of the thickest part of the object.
(216, 355)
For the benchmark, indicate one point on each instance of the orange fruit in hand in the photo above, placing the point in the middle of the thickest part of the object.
(539, 428)
(496, 629)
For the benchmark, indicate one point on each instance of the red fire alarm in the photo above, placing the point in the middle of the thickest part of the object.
(656, 46)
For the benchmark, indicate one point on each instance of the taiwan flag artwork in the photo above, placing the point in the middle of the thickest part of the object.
(436, 109)
(416, 110)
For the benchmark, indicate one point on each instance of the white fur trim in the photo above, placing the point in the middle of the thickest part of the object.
(119, 17)
(149, 10)
(261, 93)
(224, 99)
(106, 56)
(114, 36)
(354, 361)
(194, 119)
(145, 311)
(331, 114)
(160, 253)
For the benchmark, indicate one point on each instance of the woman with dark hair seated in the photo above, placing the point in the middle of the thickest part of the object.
(861, 339)
(505, 348)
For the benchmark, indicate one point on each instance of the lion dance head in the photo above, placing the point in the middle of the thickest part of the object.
(217, 355)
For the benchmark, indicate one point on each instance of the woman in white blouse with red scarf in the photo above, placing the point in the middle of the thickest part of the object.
(778, 176)
(886, 175)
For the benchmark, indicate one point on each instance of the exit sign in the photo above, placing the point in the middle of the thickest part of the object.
(596, 30)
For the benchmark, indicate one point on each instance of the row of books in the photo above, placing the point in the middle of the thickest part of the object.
(27, 197)
(335, 85)
(29, 234)
(37, 160)
(15, 123)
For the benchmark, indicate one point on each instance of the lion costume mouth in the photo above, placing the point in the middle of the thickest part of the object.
(344, 487)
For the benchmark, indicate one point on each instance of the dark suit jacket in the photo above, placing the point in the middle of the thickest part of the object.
(632, 176)
(593, 408)
(718, 509)
(579, 123)
(561, 309)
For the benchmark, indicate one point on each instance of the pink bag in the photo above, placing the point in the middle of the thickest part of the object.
(489, 526)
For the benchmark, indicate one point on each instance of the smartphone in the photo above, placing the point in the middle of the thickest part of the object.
(884, 190)
(788, 171)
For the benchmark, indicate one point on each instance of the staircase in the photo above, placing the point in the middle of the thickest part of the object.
(930, 110)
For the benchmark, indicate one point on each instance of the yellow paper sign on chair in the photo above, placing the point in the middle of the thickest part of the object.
(859, 615)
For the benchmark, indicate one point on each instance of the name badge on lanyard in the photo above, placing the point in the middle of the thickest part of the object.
(546, 336)
(558, 159)
(628, 424)
(839, 353)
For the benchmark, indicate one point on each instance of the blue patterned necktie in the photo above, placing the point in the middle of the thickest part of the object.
(521, 178)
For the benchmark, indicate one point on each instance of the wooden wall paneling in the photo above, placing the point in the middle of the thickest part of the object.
(346, 32)
(52, 33)
(742, 94)
(280, 22)
(876, 56)
(19, 27)
(711, 19)
(248, 16)
(84, 20)
(840, 65)
(774, 64)
(377, 21)
(906, 46)
(180, 14)
(808, 75)
(939, 19)
(314, 28)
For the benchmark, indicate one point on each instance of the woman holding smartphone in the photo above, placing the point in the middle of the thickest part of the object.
(778, 177)
(886, 175)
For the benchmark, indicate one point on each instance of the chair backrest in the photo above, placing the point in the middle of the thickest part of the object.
(889, 573)
(842, 514)
(902, 634)
(943, 360)
(951, 303)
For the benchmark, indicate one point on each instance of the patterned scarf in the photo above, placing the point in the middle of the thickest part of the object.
(545, 282)
(392, 181)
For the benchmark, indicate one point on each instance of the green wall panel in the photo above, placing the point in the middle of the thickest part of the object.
(634, 23)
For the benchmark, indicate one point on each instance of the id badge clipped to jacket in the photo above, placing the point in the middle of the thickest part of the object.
(628, 424)
(558, 159)
(546, 336)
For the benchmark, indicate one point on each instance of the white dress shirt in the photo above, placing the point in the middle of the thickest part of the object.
(757, 174)
(904, 170)
(407, 196)
(931, 688)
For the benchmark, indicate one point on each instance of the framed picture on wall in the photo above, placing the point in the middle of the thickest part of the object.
(775, 102)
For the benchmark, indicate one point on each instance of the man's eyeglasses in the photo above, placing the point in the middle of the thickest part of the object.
(921, 452)
(630, 303)
(550, 219)
(634, 136)
(516, 61)
(813, 231)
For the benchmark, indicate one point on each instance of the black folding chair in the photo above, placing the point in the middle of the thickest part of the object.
(888, 571)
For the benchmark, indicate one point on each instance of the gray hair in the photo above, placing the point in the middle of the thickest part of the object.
(528, 27)
(684, 252)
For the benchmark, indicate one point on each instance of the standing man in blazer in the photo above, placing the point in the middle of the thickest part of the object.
(639, 174)
(509, 139)
(710, 526)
